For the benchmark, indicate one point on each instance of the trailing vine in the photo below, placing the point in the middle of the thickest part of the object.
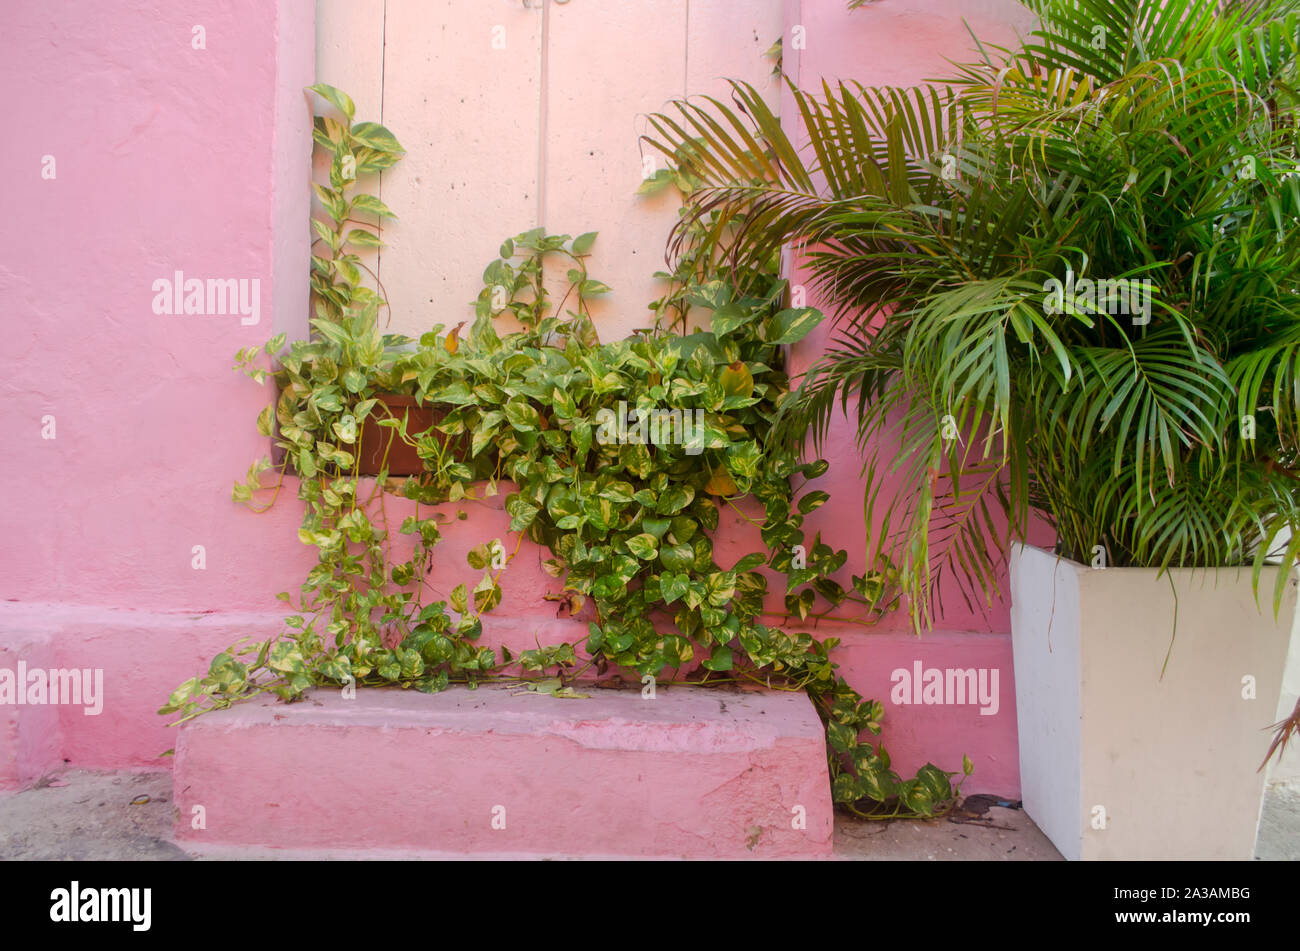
(626, 509)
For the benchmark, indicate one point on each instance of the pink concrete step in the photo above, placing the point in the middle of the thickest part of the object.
(694, 772)
(30, 737)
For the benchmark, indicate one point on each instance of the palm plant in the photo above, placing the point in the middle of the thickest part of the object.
(958, 231)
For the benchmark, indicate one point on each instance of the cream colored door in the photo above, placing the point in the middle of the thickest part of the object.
(519, 114)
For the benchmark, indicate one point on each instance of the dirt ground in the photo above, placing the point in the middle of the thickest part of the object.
(88, 816)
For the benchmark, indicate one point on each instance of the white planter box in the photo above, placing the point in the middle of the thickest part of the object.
(1172, 762)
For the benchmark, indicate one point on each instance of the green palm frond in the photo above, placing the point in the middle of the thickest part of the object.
(1128, 145)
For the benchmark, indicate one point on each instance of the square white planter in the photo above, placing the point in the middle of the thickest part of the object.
(1116, 762)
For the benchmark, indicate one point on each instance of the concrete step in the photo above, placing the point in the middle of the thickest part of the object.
(30, 736)
(692, 773)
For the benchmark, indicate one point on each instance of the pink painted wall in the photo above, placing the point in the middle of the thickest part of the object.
(888, 42)
(165, 157)
(905, 42)
(173, 158)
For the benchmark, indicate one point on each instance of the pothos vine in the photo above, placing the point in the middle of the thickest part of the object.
(627, 521)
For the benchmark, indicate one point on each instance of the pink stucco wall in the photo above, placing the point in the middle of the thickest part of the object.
(166, 157)
(170, 158)
(905, 42)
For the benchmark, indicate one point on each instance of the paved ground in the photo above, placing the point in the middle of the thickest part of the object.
(1000, 835)
(91, 817)
(85, 815)
(1279, 827)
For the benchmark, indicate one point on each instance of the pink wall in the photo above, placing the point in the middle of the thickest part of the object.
(888, 42)
(905, 42)
(173, 158)
(165, 157)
